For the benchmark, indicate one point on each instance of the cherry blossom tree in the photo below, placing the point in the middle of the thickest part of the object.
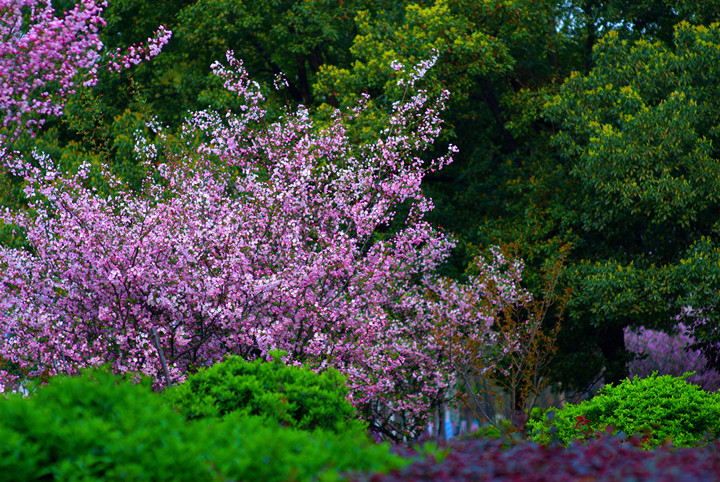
(259, 235)
(44, 57)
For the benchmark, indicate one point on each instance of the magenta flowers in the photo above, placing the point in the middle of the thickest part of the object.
(670, 355)
(264, 235)
(45, 57)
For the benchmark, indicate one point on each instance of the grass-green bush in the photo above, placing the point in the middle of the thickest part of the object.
(294, 396)
(100, 427)
(660, 409)
(96, 426)
(249, 448)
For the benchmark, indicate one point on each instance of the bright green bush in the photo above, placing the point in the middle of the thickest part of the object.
(96, 426)
(249, 448)
(99, 427)
(294, 396)
(657, 408)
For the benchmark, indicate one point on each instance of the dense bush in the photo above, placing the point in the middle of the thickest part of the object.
(99, 427)
(291, 395)
(659, 407)
(606, 458)
(96, 426)
(248, 448)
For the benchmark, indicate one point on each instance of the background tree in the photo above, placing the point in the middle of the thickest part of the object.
(638, 136)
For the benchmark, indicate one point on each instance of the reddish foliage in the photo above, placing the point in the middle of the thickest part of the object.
(605, 458)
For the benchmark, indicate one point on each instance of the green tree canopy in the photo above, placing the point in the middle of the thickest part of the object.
(639, 139)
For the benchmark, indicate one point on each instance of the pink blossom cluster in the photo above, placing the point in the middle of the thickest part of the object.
(265, 235)
(469, 311)
(43, 53)
(45, 57)
(418, 71)
(280, 81)
(135, 54)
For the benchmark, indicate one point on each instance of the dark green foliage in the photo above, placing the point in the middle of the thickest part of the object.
(638, 137)
(294, 396)
(657, 408)
(100, 427)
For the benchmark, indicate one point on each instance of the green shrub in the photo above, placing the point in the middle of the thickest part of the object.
(249, 448)
(96, 426)
(657, 408)
(100, 427)
(505, 429)
(294, 396)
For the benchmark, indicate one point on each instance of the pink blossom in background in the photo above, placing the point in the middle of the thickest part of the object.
(668, 355)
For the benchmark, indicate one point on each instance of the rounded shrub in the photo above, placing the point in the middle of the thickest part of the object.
(294, 396)
(96, 427)
(99, 427)
(659, 408)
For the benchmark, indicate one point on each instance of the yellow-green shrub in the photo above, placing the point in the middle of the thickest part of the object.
(659, 408)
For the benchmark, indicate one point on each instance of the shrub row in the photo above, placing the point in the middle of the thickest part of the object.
(100, 427)
(267, 421)
(605, 458)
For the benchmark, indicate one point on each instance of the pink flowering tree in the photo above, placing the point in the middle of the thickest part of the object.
(669, 354)
(45, 57)
(259, 235)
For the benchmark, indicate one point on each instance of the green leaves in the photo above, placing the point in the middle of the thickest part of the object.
(660, 408)
(466, 51)
(99, 427)
(292, 396)
(95, 427)
(636, 131)
(638, 138)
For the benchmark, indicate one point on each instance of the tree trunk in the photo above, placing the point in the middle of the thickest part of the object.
(612, 345)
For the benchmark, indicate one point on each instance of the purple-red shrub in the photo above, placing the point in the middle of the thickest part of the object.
(607, 458)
